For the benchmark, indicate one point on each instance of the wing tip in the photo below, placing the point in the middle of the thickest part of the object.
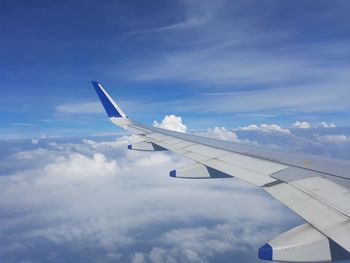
(265, 252)
(95, 83)
(110, 106)
(172, 173)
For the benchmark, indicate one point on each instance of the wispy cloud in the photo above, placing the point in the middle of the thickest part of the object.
(187, 24)
(294, 99)
(80, 108)
(23, 124)
(245, 70)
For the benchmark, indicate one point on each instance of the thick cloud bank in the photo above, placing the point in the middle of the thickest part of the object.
(95, 201)
(98, 202)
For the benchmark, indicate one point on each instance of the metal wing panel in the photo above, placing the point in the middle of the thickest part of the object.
(244, 174)
(178, 142)
(158, 137)
(208, 151)
(260, 166)
(328, 192)
(326, 219)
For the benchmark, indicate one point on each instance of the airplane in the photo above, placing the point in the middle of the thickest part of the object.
(315, 188)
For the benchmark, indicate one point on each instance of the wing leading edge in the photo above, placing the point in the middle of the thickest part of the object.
(315, 188)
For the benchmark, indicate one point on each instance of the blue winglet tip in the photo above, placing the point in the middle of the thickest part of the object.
(265, 252)
(172, 173)
(94, 83)
(96, 86)
(130, 147)
(107, 104)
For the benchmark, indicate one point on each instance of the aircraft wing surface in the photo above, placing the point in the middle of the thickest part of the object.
(315, 188)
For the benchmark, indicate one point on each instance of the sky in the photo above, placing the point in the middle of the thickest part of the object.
(225, 63)
(268, 73)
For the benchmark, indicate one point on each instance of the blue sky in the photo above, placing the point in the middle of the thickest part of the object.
(223, 63)
(268, 73)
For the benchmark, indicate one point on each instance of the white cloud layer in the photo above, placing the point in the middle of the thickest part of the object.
(171, 122)
(97, 194)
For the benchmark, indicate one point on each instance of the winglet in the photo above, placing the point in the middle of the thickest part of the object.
(112, 109)
(265, 252)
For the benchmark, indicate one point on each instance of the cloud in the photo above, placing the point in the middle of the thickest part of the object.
(251, 127)
(269, 128)
(302, 125)
(120, 142)
(202, 244)
(138, 258)
(171, 122)
(122, 206)
(80, 108)
(324, 124)
(43, 137)
(77, 165)
(334, 138)
(198, 244)
(333, 145)
(188, 23)
(99, 196)
(306, 125)
(220, 133)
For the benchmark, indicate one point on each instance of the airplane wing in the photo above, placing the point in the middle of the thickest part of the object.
(315, 188)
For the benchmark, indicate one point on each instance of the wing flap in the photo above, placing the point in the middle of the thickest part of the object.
(178, 143)
(208, 151)
(328, 192)
(326, 219)
(261, 166)
(158, 137)
(246, 175)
